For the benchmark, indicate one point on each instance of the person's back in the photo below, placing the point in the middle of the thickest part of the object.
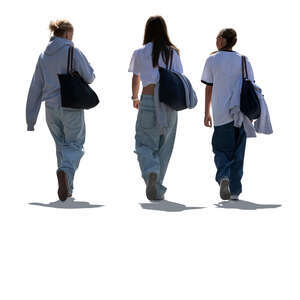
(226, 67)
(142, 64)
(53, 61)
(223, 70)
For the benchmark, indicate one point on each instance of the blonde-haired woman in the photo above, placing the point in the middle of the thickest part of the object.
(66, 125)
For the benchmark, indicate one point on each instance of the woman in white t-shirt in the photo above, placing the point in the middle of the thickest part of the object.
(153, 147)
(222, 72)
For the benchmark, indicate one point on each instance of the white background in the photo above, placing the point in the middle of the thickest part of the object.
(122, 250)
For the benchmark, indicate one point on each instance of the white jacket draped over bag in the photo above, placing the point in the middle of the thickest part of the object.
(262, 124)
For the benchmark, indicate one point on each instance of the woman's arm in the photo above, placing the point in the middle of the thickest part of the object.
(135, 90)
(208, 79)
(34, 98)
(207, 117)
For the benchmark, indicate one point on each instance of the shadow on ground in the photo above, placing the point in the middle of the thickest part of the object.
(70, 203)
(168, 206)
(245, 205)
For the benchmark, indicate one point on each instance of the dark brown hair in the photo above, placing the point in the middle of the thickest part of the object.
(229, 34)
(157, 33)
(60, 27)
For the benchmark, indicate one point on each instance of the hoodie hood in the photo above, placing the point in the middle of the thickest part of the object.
(56, 44)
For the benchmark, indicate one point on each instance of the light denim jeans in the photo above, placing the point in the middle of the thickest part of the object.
(153, 149)
(67, 127)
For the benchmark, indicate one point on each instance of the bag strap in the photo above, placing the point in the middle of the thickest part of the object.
(244, 67)
(70, 60)
(171, 56)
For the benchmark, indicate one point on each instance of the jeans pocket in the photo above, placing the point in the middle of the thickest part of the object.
(147, 119)
(224, 138)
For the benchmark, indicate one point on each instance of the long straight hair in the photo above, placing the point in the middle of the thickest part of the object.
(157, 33)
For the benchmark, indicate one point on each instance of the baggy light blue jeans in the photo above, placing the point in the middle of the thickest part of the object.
(229, 145)
(153, 149)
(67, 127)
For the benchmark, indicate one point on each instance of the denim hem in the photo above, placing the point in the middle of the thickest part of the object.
(225, 177)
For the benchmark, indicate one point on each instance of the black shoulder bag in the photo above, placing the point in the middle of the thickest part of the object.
(75, 92)
(249, 102)
(171, 88)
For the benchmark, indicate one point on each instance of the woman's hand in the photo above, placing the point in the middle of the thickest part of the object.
(135, 90)
(136, 104)
(208, 120)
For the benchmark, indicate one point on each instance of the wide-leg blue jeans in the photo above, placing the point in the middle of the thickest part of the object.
(67, 127)
(152, 148)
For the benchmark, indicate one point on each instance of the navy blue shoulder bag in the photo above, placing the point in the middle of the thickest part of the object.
(75, 92)
(249, 102)
(171, 88)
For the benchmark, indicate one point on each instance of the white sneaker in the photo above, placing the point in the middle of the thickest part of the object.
(234, 197)
(224, 189)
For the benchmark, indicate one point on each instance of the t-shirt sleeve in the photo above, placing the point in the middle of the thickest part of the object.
(177, 65)
(135, 64)
(250, 70)
(207, 75)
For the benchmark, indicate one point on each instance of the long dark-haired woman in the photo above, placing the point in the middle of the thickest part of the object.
(222, 72)
(66, 125)
(154, 143)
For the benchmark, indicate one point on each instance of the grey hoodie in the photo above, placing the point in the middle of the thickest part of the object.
(45, 84)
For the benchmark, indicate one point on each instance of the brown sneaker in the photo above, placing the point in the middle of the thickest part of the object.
(63, 188)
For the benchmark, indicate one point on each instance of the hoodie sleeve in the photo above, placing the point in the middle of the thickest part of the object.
(34, 98)
(83, 67)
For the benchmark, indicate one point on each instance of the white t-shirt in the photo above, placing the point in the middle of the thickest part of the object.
(141, 64)
(223, 71)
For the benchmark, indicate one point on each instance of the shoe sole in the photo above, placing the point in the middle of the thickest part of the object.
(63, 189)
(234, 199)
(224, 190)
(151, 192)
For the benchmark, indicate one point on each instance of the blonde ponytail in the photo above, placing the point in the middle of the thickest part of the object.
(60, 27)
